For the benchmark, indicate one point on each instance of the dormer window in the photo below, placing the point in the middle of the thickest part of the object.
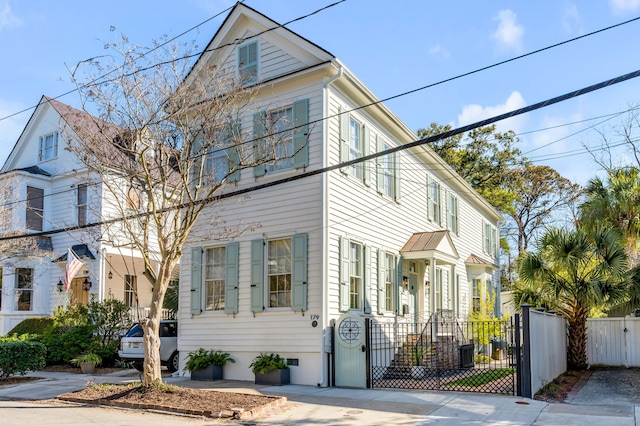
(248, 63)
(48, 148)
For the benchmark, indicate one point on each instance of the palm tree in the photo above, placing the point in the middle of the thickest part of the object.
(572, 272)
(616, 203)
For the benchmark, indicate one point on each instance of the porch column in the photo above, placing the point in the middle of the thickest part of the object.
(432, 288)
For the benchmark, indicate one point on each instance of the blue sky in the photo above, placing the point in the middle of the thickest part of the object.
(393, 47)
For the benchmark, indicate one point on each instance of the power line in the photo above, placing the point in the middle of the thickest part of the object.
(345, 164)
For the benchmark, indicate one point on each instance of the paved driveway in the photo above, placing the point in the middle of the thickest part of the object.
(610, 387)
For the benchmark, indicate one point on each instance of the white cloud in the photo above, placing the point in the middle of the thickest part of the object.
(437, 49)
(509, 33)
(7, 18)
(474, 112)
(620, 7)
(571, 19)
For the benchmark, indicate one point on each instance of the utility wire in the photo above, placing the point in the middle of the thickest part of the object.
(304, 175)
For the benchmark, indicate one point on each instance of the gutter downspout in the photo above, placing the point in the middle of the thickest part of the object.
(326, 341)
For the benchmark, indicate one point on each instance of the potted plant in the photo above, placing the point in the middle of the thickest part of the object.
(418, 369)
(206, 364)
(270, 369)
(87, 362)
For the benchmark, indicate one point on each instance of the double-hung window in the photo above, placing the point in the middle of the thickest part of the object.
(355, 147)
(23, 289)
(279, 124)
(389, 279)
(490, 238)
(35, 208)
(475, 295)
(452, 213)
(82, 204)
(216, 160)
(48, 147)
(248, 62)
(214, 278)
(387, 173)
(356, 273)
(131, 290)
(279, 273)
(433, 200)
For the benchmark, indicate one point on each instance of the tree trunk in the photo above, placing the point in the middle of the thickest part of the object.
(577, 348)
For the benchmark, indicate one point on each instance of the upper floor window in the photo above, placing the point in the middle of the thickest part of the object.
(355, 147)
(248, 62)
(279, 124)
(214, 278)
(48, 148)
(452, 213)
(433, 200)
(279, 273)
(386, 173)
(216, 166)
(490, 239)
(23, 289)
(35, 208)
(82, 204)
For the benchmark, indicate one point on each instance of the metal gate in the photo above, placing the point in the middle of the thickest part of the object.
(443, 354)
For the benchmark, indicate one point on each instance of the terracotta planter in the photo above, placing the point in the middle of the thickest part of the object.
(274, 378)
(211, 372)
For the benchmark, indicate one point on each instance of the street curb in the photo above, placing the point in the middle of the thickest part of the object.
(579, 385)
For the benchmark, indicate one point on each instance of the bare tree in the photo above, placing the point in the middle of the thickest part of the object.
(166, 143)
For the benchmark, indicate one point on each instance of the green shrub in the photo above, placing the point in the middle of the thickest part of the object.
(203, 358)
(264, 363)
(32, 326)
(63, 344)
(19, 357)
(92, 358)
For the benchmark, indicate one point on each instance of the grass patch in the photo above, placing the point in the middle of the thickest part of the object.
(482, 378)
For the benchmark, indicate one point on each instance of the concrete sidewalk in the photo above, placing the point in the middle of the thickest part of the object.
(308, 405)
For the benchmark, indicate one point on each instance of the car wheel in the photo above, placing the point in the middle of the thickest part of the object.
(173, 362)
(138, 365)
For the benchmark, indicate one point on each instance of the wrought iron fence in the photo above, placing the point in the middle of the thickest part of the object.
(443, 354)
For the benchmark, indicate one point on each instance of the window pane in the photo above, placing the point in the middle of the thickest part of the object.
(215, 270)
(35, 208)
(279, 273)
(279, 124)
(23, 289)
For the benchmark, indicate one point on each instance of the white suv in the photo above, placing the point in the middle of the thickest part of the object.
(132, 346)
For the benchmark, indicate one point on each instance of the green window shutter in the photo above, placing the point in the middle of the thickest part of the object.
(367, 280)
(301, 134)
(257, 275)
(379, 165)
(344, 274)
(196, 281)
(396, 176)
(366, 172)
(399, 260)
(231, 278)
(299, 262)
(429, 200)
(234, 151)
(382, 288)
(344, 137)
(259, 131)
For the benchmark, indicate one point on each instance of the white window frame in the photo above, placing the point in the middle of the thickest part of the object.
(248, 77)
(82, 201)
(35, 212)
(356, 275)
(23, 288)
(130, 290)
(356, 147)
(280, 125)
(476, 297)
(216, 158)
(48, 147)
(215, 279)
(279, 272)
(433, 192)
(453, 216)
(388, 173)
(389, 282)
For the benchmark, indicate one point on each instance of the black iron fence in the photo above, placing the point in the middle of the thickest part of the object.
(443, 353)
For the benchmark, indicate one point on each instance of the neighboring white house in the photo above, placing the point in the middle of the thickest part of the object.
(395, 238)
(49, 193)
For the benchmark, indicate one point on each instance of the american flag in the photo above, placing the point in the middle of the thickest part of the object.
(73, 266)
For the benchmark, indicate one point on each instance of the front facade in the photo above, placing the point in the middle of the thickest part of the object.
(49, 193)
(394, 238)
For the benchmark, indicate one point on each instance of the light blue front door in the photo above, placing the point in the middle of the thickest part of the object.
(350, 352)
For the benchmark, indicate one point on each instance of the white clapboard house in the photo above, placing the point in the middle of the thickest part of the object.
(49, 193)
(395, 238)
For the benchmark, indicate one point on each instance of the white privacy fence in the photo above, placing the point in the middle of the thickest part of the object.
(545, 349)
(613, 341)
